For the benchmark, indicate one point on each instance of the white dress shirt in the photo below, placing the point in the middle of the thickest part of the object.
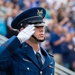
(42, 57)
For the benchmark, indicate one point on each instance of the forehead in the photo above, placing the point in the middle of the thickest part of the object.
(39, 27)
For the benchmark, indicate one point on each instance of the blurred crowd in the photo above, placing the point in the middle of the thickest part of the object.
(60, 30)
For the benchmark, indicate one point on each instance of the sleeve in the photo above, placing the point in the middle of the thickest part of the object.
(6, 50)
(53, 63)
(53, 38)
(53, 66)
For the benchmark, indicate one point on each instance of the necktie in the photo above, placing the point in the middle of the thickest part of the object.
(39, 59)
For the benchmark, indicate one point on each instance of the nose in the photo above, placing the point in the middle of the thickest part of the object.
(41, 29)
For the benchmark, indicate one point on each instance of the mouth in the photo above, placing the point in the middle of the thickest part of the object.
(41, 35)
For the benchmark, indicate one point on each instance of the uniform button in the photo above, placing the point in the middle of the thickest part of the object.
(40, 72)
(28, 68)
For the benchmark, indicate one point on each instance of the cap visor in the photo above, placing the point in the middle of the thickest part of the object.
(41, 24)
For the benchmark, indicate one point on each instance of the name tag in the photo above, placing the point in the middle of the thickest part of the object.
(26, 60)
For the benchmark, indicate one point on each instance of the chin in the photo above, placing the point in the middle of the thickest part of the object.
(41, 40)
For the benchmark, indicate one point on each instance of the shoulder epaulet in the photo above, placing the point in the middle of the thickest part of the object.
(51, 55)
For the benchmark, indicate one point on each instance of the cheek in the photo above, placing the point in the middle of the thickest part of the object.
(36, 33)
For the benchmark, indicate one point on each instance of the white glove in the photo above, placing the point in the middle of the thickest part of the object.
(26, 33)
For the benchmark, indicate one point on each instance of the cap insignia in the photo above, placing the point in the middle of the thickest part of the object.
(39, 12)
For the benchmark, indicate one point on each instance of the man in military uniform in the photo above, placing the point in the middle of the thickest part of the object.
(22, 54)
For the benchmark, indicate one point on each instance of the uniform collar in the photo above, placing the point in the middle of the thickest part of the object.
(28, 51)
(39, 51)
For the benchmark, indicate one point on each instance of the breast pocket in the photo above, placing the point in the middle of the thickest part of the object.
(27, 68)
(50, 70)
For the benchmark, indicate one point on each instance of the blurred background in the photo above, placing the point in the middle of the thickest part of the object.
(60, 30)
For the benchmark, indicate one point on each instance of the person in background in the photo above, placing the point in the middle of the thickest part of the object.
(3, 30)
(56, 40)
(67, 48)
(10, 30)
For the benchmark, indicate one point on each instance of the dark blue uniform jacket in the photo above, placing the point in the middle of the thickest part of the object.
(19, 59)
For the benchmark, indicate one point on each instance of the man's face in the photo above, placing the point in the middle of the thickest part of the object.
(39, 32)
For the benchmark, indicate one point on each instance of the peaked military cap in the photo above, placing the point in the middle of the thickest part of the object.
(31, 16)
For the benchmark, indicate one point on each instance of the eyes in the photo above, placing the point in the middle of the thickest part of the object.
(36, 26)
(39, 26)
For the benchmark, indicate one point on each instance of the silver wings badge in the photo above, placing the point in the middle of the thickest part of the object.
(39, 12)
